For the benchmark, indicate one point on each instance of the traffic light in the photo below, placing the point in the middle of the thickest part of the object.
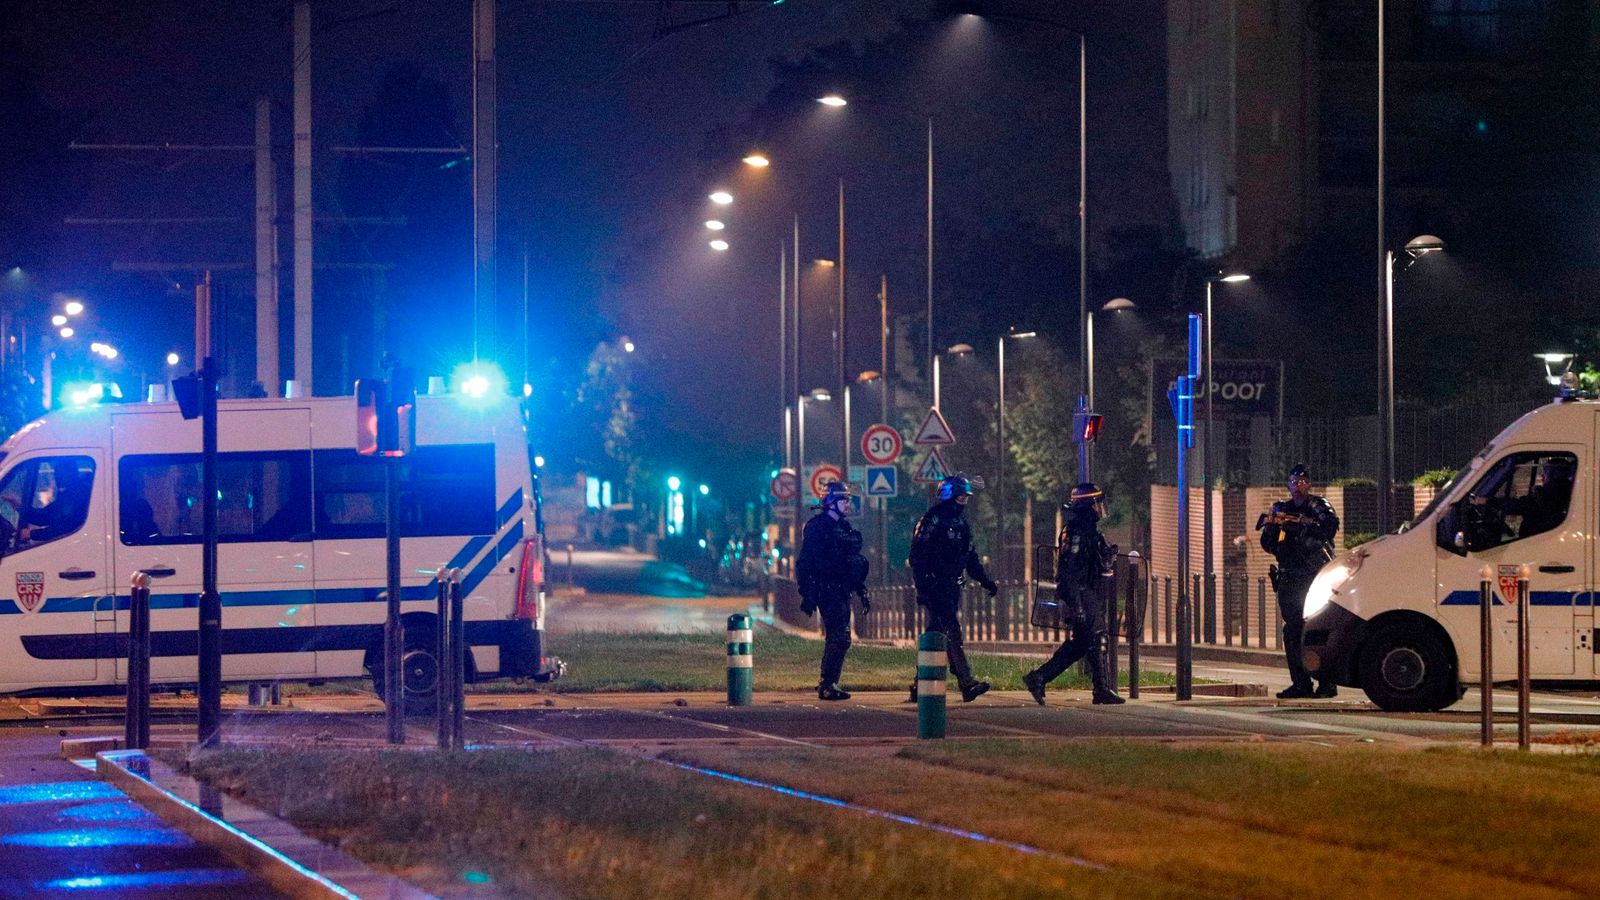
(386, 420)
(1086, 427)
(187, 391)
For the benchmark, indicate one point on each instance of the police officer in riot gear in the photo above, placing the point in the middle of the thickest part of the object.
(830, 569)
(942, 559)
(1299, 533)
(1083, 559)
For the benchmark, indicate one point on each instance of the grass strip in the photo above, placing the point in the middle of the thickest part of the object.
(645, 661)
(588, 823)
(1215, 820)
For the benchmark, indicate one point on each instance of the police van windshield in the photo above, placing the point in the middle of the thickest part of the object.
(1438, 498)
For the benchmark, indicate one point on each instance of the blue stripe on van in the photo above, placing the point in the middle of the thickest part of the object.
(466, 553)
(484, 567)
(507, 510)
(1538, 598)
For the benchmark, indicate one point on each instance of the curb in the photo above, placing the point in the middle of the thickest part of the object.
(259, 843)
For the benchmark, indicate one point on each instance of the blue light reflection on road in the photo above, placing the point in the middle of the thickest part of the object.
(59, 792)
(159, 835)
(137, 880)
(109, 811)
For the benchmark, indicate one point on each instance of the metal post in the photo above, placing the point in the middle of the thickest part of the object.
(933, 667)
(209, 638)
(1486, 657)
(304, 242)
(458, 663)
(783, 347)
(136, 730)
(485, 166)
(1523, 674)
(393, 634)
(844, 385)
(1386, 400)
(1208, 562)
(266, 254)
(740, 660)
(1261, 612)
(930, 251)
(1083, 238)
(442, 695)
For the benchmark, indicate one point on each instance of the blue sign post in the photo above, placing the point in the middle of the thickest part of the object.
(1182, 399)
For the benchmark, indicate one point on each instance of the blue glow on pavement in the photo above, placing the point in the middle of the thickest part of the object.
(59, 792)
(101, 837)
(134, 880)
(110, 811)
(893, 817)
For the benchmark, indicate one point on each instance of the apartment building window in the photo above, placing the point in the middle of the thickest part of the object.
(1475, 28)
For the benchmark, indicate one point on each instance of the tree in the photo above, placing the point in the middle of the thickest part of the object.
(604, 404)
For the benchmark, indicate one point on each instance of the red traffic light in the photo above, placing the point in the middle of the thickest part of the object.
(1086, 427)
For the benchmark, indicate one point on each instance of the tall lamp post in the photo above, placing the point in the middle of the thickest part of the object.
(1115, 305)
(954, 350)
(1208, 592)
(1415, 249)
(820, 395)
(979, 10)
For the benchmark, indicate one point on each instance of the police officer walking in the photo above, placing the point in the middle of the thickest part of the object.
(831, 567)
(1299, 533)
(942, 559)
(1083, 559)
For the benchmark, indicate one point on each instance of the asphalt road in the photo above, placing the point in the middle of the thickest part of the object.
(621, 572)
(569, 613)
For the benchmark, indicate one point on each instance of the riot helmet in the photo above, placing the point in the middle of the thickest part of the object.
(954, 487)
(837, 498)
(1087, 499)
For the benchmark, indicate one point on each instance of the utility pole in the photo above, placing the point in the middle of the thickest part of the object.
(484, 168)
(266, 253)
(304, 243)
(209, 636)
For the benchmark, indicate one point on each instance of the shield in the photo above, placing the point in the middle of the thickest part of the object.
(30, 590)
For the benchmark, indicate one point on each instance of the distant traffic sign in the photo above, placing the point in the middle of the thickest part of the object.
(882, 481)
(932, 469)
(935, 431)
(822, 476)
(784, 485)
(881, 445)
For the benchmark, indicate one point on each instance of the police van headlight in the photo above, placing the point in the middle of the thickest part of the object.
(1328, 582)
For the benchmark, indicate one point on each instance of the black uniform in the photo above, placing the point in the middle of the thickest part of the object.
(942, 559)
(1082, 558)
(830, 569)
(1301, 546)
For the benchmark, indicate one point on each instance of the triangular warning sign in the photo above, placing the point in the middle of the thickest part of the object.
(934, 431)
(932, 468)
(880, 485)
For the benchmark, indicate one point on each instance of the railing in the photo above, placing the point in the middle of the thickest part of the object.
(1246, 613)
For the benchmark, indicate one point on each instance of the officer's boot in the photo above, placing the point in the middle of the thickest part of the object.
(828, 690)
(1035, 682)
(1105, 690)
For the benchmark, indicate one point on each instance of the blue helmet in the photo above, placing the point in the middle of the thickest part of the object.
(954, 486)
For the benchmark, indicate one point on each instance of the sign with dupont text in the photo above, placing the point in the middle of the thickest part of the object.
(1243, 388)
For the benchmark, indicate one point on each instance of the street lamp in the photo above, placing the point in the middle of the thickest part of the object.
(73, 308)
(955, 350)
(978, 10)
(1555, 366)
(820, 395)
(719, 245)
(1114, 305)
(756, 161)
(1415, 249)
(721, 198)
(833, 100)
(715, 225)
(1208, 593)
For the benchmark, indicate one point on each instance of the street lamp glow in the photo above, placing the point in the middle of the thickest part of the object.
(833, 100)
(820, 395)
(959, 349)
(721, 198)
(172, 359)
(1234, 278)
(67, 332)
(719, 245)
(1423, 244)
(627, 346)
(1118, 304)
(822, 263)
(73, 307)
(58, 320)
(716, 224)
(109, 352)
(705, 490)
(674, 482)
(538, 462)
(527, 389)
(757, 161)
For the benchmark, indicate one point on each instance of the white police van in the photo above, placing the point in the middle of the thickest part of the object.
(1399, 616)
(91, 495)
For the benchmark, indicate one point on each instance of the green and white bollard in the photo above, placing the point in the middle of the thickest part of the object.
(740, 675)
(933, 668)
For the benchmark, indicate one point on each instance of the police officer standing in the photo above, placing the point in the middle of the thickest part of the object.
(942, 559)
(1299, 533)
(830, 569)
(1083, 558)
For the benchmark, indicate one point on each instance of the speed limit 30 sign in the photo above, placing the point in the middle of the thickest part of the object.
(881, 445)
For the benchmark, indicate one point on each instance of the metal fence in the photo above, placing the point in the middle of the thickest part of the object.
(1141, 607)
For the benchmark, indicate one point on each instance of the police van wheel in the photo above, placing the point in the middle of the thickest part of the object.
(1406, 668)
(419, 667)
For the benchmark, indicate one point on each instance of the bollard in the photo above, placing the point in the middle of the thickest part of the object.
(458, 664)
(740, 661)
(1485, 657)
(932, 671)
(136, 723)
(1523, 604)
(441, 654)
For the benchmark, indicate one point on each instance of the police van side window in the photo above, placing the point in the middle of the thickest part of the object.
(43, 500)
(445, 490)
(260, 497)
(1523, 495)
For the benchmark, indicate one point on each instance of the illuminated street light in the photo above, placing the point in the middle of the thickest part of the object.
(627, 346)
(58, 320)
(705, 490)
(719, 245)
(1555, 366)
(67, 332)
(172, 359)
(757, 161)
(674, 482)
(721, 198)
(715, 224)
(1416, 248)
(833, 100)
(73, 307)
